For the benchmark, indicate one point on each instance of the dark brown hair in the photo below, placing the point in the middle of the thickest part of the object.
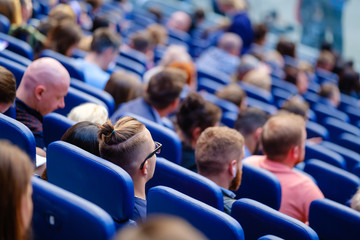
(7, 86)
(15, 173)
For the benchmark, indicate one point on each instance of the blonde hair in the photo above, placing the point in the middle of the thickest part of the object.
(259, 78)
(175, 53)
(89, 112)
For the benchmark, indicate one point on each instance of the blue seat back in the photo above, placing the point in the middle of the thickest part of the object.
(335, 183)
(134, 55)
(4, 24)
(59, 214)
(69, 63)
(171, 149)
(95, 92)
(18, 46)
(258, 219)
(332, 220)
(225, 106)
(279, 83)
(130, 65)
(18, 134)
(270, 237)
(185, 181)
(322, 153)
(93, 178)
(337, 127)
(260, 185)
(213, 223)
(209, 85)
(257, 93)
(354, 114)
(212, 74)
(17, 69)
(323, 111)
(268, 108)
(351, 157)
(347, 101)
(15, 57)
(54, 127)
(349, 141)
(229, 118)
(76, 97)
(314, 129)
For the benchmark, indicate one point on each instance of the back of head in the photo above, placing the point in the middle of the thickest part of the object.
(165, 87)
(84, 136)
(189, 68)
(15, 173)
(121, 143)
(123, 87)
(89, 112)
(104, 38)
(331, 92)
(196, 112)
(260, 31)
(158, 34)
(349, 81)
(62, 12)
(249, 120)
(175, 53)
(286, 48)
(161, 228)
(11, 10)
(326, 60)
(232, 93)
(140, 41)
(280, 133)
(259, 78)
(180, 21)
(216, 147)
(7, 86)
(297, 106)
(231, 43)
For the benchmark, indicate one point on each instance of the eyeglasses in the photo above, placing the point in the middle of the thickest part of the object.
(156, 151)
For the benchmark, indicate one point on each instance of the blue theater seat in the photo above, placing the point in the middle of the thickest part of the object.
(335, 183)
(257, 93)
(17, 69)
(54, 127)
(212, 74)
(229, 118)
(15, 57)
(4, 24)
(93, 178)
(171, 149)
(18, 134)
(213, 223)
(270, 237)
(187, 182)
(95, 92)
(332, 220)
(314, 129)
(323, 111)
(225, 106)
(322, 153)
(279, 83)
(258, 219)
(268, 108)
(347, 101)
(209, 85)
(18, 46)
(260, 185)
(130, 65)
(349, 141)
(337, 127)
(134, 55)
(76, 97)
(59, 214)
(69, 63)
(354, 114)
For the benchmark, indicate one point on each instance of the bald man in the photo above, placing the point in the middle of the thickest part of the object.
(42, 90)
(180, 21)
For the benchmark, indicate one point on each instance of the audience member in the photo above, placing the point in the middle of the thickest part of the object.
(349, 83)
(11, 10)
(161, 228)
(283, 141)
(258, 77)
(297, 77)
(355, 201)
(161, 98)
(141, 42)
(297, 106)
(7, 89)
(89, 112)
(224, 57)
(190, 69)
(179, 21)
(330, 93)
(103, 50)
(249, 123)
(129, 145)
(124, 87)
(233, 93)
(326, 61)
(62, 12)
(218, 154)
(286, 48)
(194, 116)
(42, 90)
(158, 34)
(64, 38)
(16, 205)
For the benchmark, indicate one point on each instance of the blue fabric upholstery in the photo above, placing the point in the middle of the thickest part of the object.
(349, 141)
(209, 85)
(93, 178)
(354, 114)
(229, 118)
(225, 106)
(68, 63)
(279, 83)
(268, 108)
(213, 223)
(332, 220)
(257, 93)
(134, 55)
(323, 111)
(260, 185)
(95, 92)
(4, 24)
(347, 101)
(335, 183)
(258, 219)
(337, 127)
(314, 129)
(18, 46)
(130, 65)
(270, 237)
(17, 69)
(17, 133)
(54, 127)
(322, 153)
(171, 149)
(351, 157)
(15, 57)
(212, 74)
(76, 97)
(59, 214)
(185, 181)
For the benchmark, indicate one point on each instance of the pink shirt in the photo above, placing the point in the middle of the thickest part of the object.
(297, 190)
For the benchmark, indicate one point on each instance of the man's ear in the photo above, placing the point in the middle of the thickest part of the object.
(144, 170)
(232, 167)
(39, 92)
(257, 133)
(295, 151)
(196, 133)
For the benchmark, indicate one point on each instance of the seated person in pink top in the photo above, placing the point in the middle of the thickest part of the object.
(283, 140)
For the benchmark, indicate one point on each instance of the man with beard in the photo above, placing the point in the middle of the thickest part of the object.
(283, 140)
(218, 155)
(249, 123)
